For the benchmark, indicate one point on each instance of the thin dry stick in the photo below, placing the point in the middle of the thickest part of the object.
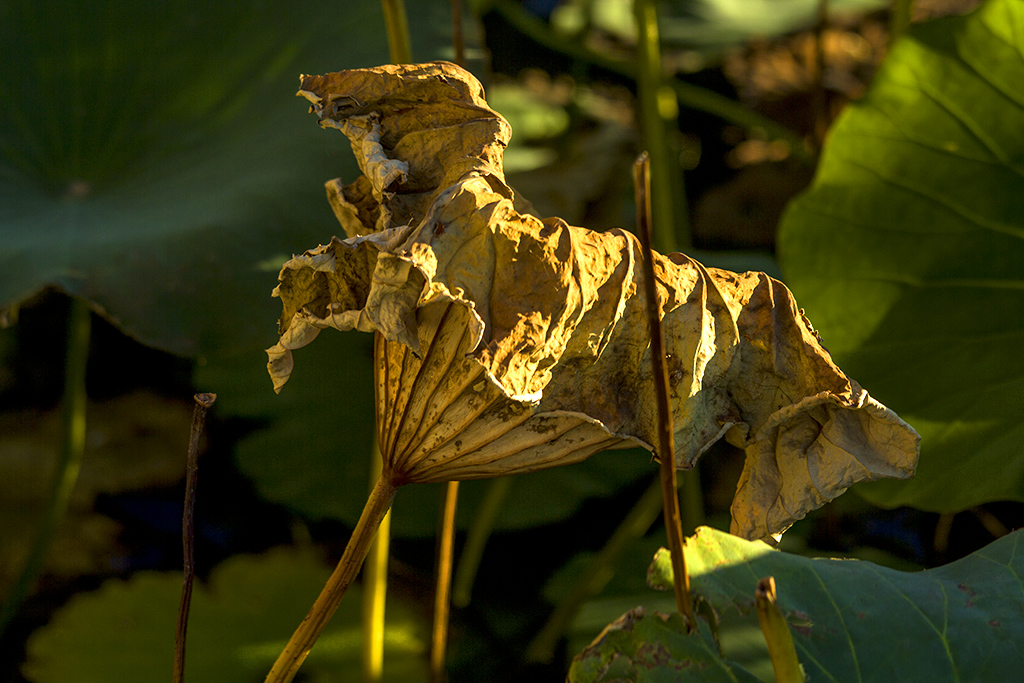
(302, 641)
(666, 445)
(445, 552)
(203, 403)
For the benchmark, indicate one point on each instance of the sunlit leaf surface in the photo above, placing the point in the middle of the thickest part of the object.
(907, 253)
(852, 620)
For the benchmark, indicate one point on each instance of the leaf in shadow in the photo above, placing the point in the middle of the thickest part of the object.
(152, 162)
(238, 623)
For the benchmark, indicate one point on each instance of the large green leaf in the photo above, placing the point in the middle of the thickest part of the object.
(154, 159)
(907, 253)
(239, 623)
(856, 621)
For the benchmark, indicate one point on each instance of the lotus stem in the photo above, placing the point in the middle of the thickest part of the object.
(666, 445)
(375, 586)
(597, 575)
(397, 23)
(70, 459)
(458, 35)
(305, 636)
(658, 109)
(476, 539)
(899, 19)
(443, 577)
(688, 95)
(776, 632)
(203, 403)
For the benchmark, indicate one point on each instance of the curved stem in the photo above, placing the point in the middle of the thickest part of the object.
(305, 636)
(69, 461)
(476, 539)
(375, 586)
(599, 572)
(445, 551)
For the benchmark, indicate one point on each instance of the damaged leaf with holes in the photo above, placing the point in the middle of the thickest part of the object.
(508, 343)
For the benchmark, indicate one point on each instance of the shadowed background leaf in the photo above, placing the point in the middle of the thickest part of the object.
(154, 161)
(240, 619)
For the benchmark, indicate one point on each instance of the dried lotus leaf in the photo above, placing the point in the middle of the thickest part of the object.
(510, 344)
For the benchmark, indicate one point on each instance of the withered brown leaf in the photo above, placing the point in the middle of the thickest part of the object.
(511, 344)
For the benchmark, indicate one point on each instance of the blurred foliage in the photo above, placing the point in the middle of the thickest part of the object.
(850, 620)
(240, 619)
(132, 443)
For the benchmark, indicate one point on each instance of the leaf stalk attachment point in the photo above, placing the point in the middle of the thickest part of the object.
(666, 445)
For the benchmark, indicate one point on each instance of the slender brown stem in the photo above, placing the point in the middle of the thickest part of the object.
(302, 641)
(776, 632)
(203, 403)
(666, 445)
(445, 552)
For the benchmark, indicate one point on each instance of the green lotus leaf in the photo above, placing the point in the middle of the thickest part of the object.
(154, 159)
(907, 252)
(852, 620)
